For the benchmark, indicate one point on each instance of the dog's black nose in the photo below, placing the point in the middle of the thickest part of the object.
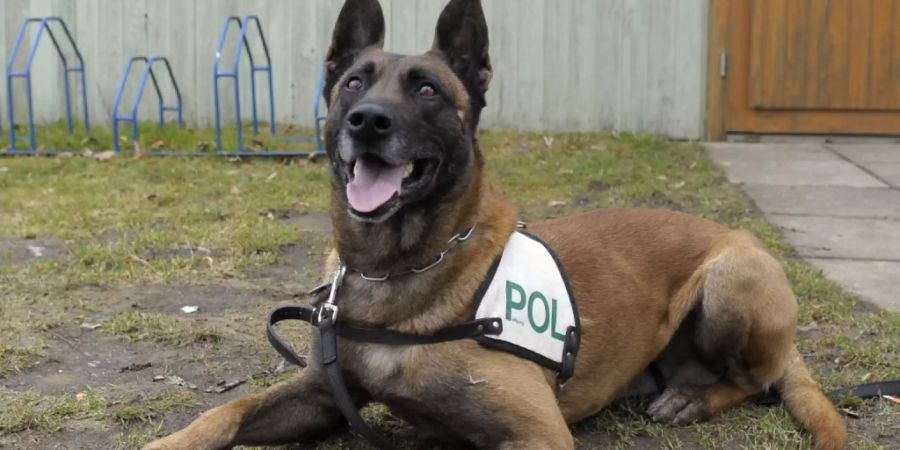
(370, 121)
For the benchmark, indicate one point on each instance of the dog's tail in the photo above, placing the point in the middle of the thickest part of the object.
(809, 405)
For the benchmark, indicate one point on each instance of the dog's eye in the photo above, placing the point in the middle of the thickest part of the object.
(354, 84)
(427, 90)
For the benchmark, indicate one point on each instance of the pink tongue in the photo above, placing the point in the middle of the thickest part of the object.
(373, 185)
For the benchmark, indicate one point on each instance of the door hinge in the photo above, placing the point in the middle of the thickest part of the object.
(723, 64)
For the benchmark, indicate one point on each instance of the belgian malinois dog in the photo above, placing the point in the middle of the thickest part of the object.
(710, 306)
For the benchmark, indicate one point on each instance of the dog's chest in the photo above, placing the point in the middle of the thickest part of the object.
(378, 365)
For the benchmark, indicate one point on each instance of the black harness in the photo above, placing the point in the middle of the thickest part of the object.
(322, 318)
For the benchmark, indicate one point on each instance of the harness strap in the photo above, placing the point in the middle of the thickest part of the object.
(466, 330)
(328, 335)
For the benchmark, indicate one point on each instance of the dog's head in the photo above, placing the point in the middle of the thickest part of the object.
(400, 131)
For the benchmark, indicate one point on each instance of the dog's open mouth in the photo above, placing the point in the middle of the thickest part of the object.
(374, 184)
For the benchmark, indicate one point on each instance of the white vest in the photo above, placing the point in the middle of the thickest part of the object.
(527, 289)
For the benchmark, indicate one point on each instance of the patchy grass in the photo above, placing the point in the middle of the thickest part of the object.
(129, 222)
(136, 326)
(31, 411)
(15, 359)
(148, 408)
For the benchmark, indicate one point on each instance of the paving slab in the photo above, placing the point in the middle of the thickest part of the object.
(732, 152)
(862, 153)
(802, 173)
(876, 282)
(887, 171)
(830, 237)
(832, 205)
(870, 203)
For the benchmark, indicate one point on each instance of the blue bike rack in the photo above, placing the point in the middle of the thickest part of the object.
(43, 24)
(243, 45)
(147, 73)
(244, 26)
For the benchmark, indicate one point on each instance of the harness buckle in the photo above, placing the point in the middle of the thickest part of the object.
(327, 307)
(331, 303)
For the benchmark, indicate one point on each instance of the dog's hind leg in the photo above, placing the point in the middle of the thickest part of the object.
(292, 411)
(744, 330)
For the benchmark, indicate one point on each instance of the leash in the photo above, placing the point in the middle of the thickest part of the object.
(868, 390)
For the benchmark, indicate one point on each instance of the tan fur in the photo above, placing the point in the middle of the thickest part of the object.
(650, 285)
(636, 274)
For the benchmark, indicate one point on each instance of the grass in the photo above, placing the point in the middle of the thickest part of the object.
(136, 326)
(148, 408)
(15, 359)
(51, 413)
(32, 411)
(152, 138)
(124, 223)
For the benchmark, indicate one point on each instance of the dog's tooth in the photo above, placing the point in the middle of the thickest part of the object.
(408, 170)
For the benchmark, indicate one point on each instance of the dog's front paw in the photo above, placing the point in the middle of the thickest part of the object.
(175, 441)
(679, 405)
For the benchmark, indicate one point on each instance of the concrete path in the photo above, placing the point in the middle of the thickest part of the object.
(837, 204)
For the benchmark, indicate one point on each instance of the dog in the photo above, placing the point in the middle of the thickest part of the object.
(710, 306)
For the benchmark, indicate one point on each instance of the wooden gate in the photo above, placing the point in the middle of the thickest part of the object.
(804, 66)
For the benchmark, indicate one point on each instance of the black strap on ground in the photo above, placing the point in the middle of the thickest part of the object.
(869, 390)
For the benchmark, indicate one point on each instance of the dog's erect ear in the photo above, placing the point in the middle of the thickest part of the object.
(359, 26)
(462, 37)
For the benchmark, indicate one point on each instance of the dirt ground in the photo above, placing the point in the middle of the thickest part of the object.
(121, 363)
(81, 359)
